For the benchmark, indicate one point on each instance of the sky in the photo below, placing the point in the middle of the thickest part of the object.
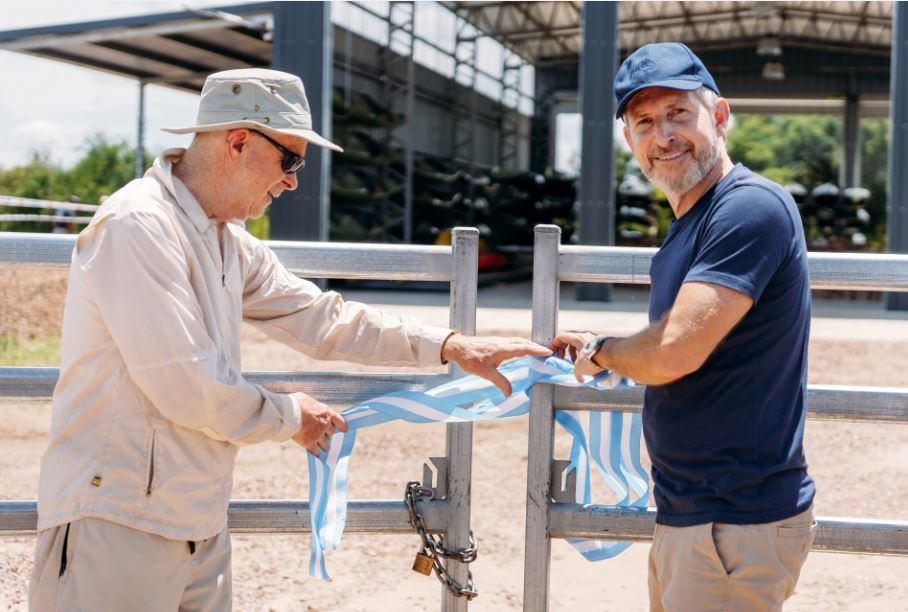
(54, 107)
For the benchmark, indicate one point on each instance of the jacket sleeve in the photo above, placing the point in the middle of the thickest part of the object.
(323, 325)
(139, 279)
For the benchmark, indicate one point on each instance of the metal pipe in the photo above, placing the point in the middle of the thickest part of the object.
(459, 436)
(272, 516)
(538, 545)
(833, 534)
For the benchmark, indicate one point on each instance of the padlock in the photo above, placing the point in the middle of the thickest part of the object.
(422, 564)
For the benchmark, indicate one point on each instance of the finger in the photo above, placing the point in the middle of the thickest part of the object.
(533, 348)
(573, 351)
(313, 449)
(560, 353)
(338, 421)
(525, 348)
(324, 444)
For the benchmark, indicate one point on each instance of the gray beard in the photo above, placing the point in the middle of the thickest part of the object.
(684, 183)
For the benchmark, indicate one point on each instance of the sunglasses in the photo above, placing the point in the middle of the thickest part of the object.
(291, 163)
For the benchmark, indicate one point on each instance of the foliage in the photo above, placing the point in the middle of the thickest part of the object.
(807, 149)
(40, 351)
(106, 166)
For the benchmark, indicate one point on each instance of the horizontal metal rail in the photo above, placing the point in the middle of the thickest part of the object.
(826, 402)
(306, 259)
(273, 516)
(854, 271)
(328, 387)
(833, 534)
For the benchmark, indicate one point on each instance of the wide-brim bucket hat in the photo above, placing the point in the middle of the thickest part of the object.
(271, 101)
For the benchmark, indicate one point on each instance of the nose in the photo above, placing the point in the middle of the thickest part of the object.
(291, 181)
(665, 134)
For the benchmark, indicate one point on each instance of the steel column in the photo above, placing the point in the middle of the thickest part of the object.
(850, 173)
(897, 201)
(596, 197)
(303, 45)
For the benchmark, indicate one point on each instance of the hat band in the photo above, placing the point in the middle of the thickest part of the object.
(275, 119)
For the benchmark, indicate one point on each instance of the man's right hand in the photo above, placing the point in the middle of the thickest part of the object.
(319, 424)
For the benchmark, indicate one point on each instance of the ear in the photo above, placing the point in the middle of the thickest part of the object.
(721, 115)
(237, 141)
(627, 137)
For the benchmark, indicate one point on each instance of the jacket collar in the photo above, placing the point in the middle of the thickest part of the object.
(162, 171)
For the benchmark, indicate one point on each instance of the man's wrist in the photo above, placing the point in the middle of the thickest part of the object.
(444, 345)
(600, 356)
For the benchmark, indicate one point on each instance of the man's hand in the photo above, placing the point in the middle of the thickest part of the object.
(482, 356)
(572, 342)
(319, 424)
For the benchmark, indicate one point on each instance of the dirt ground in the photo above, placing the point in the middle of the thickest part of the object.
(860, 471)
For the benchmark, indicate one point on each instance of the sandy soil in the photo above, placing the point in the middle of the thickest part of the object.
(860, 471)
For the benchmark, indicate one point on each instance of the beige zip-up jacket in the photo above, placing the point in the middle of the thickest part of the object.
(151, 405)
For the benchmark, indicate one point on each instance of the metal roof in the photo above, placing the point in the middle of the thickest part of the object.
(543, 30)
(177, 49)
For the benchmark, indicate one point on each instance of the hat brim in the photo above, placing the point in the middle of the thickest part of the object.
(682, 84)
(307, 135)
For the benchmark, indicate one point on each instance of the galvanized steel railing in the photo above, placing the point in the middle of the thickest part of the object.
(457, 264)
(547, 518)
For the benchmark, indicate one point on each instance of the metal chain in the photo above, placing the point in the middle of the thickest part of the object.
(433, 546)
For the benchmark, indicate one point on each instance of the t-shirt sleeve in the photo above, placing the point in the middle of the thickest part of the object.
(745, 241)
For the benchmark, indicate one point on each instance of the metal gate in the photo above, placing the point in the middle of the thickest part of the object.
(456, 264)
(547, 518)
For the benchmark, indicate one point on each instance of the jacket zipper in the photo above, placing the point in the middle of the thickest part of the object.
(151, 465)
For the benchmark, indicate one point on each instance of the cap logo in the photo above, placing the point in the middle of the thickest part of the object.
(646, 64)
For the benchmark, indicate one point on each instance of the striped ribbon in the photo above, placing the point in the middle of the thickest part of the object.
(609, 441)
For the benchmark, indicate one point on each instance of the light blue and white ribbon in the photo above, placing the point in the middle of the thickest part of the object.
(609, 441)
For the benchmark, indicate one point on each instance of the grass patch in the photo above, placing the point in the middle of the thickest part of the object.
(41, 351)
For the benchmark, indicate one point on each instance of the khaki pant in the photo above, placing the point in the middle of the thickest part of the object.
(722, 567)
(95, 565)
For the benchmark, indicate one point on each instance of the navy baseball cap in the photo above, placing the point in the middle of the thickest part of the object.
(670, 65)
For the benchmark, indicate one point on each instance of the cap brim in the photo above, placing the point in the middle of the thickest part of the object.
(310, 136)
(683, 84)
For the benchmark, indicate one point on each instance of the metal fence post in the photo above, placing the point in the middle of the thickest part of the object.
(459, 436)
(542, 425)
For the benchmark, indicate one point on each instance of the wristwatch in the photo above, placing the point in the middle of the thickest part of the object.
(585, 366)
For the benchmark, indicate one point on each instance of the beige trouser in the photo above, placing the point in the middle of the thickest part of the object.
(99, 565)
(722, 567)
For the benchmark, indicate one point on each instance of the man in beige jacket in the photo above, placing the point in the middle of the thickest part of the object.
(151, 405)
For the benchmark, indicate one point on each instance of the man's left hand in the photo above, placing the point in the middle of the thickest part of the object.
(482, 356)
(572, 342)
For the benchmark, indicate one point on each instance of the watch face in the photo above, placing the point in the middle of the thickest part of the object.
(589, 347)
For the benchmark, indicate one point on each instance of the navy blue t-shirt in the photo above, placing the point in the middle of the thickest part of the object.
(726, 441)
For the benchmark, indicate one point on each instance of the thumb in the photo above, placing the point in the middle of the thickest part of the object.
(498, 379)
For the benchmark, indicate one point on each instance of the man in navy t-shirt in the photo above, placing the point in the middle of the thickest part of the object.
(724, 357)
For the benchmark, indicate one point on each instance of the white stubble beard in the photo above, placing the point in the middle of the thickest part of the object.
(687, 180)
